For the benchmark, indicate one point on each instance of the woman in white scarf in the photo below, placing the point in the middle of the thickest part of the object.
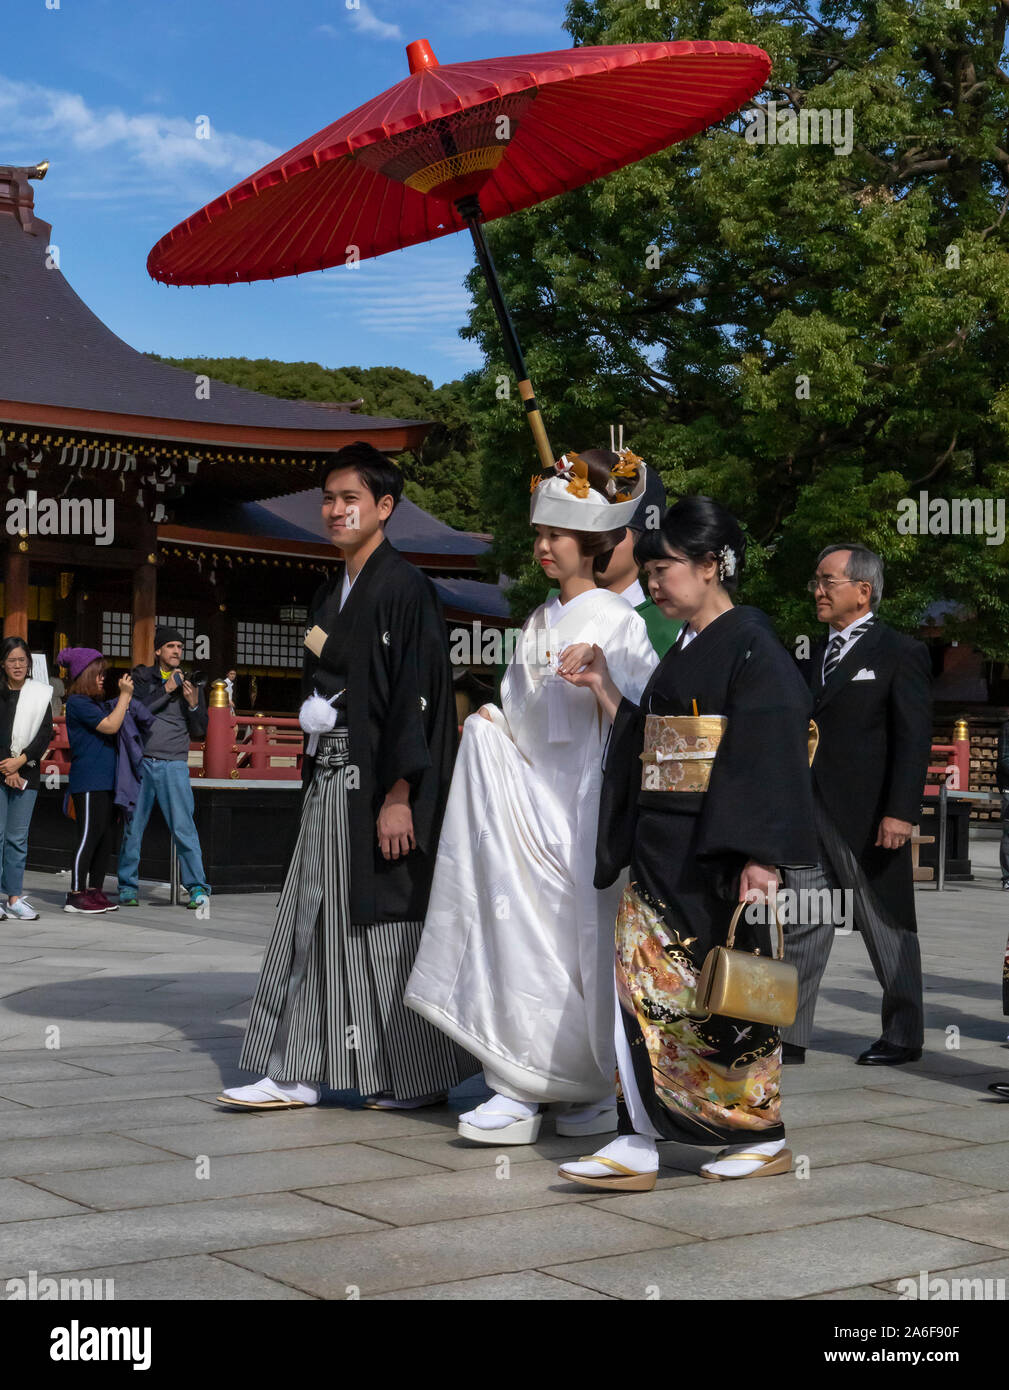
(26, 731)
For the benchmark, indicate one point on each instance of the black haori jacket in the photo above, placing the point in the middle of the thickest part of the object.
(875, 719)
(389, 649)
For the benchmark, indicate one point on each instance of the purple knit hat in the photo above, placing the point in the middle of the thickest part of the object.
(76, 659)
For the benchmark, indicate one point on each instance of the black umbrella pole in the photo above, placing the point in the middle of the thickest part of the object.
(469, 211)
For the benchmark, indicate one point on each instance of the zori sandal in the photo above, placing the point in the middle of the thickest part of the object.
(523, 1129)
(262, 1095)
(770, 1164)
(627, 1179)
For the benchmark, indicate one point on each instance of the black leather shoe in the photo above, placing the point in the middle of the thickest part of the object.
(1001, 1088)
(884, 1054)
(791, 1052)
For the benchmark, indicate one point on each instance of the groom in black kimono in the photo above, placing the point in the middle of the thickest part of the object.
(379, 705)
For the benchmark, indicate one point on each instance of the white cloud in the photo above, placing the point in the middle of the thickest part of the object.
(102, 151)
(365, 21)
(522, 18)
(417, 291)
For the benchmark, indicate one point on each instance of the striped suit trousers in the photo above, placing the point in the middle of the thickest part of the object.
(894, 952)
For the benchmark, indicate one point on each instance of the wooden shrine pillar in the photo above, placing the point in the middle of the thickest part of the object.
(145, 607)
(16, 590)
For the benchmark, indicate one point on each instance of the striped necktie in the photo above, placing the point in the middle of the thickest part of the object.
(838, 643)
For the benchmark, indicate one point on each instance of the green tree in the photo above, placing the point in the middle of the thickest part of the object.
(806, 333)
(442, 476)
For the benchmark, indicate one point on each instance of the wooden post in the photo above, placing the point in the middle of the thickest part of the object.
(145, 607)
(16, 590)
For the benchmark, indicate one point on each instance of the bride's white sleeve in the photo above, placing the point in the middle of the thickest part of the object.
(630, 656)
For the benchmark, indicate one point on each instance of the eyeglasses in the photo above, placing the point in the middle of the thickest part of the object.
(828, 585)
(16, 661)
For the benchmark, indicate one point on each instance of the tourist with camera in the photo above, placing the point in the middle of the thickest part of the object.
(180, 718)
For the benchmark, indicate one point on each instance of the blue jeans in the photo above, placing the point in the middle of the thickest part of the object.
(15, 817)
(168, 784)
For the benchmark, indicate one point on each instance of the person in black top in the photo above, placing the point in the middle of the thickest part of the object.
(91, 733)
(26, 731)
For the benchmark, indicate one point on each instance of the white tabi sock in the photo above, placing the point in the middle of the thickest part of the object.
(730, 1167)
(631, 1150)
(500, 1111)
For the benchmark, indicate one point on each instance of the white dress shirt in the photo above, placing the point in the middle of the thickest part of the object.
(850, 634)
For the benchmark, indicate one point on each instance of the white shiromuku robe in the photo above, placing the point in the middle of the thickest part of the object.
(516, 959)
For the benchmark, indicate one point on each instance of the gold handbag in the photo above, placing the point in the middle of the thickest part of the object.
(745, 985)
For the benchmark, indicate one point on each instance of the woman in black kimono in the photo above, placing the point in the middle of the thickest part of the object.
(704, 811)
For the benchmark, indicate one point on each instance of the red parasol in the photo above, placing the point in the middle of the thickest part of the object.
(455, 146)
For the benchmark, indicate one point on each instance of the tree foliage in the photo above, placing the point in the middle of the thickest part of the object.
(691, 297)
(443, 475)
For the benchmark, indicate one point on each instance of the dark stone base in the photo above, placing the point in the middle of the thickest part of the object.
(247, 835)
(957, 840)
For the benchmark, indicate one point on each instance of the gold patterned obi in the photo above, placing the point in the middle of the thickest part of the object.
(679, 751)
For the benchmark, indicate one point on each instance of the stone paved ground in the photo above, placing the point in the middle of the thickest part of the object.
(116, 1163)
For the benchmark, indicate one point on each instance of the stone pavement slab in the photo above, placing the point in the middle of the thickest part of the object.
(194, 1278)
(477, 1192)
(498, 1288)
(229, 1175)
(774, 1264)
(984, 1164)
(445, 1251)
(988, 1122)
(861, 1292)
(186, 1228)
(975, 1218)
(63, 1153)
(253, 1133)
(43, 1094)
(991, 1269)
(19, 1201)
(865, 1140)
(20, 1122)
(739, 1208)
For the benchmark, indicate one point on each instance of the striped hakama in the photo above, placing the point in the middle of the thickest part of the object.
(329, 1006)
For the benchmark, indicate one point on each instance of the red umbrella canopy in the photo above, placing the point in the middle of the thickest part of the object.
(512, 131)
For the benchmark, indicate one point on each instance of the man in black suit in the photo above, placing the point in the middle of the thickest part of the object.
(872, 704)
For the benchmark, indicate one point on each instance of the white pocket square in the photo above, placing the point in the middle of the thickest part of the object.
(865, 675)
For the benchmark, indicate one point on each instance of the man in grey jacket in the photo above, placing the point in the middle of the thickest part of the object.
(180, 717)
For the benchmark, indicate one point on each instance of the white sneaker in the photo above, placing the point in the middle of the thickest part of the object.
(22, 909)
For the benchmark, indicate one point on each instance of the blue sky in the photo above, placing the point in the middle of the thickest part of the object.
(109, 92)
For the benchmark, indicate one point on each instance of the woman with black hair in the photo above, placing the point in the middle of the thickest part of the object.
(26, 731)
(516, 961)
(706, 794)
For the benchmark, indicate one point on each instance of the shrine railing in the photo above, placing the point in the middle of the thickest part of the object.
(238, 747)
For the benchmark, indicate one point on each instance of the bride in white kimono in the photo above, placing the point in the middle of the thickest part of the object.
(516, 959)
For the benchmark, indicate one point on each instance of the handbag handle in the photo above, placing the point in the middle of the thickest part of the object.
(781, 930)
